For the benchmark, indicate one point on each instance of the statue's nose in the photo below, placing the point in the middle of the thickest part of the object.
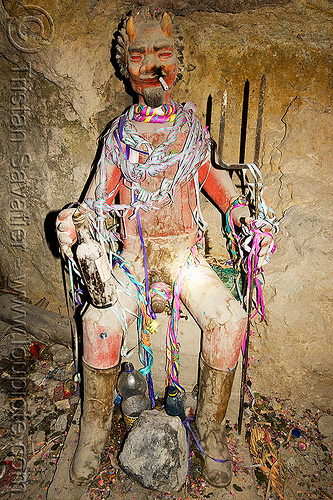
(149, 63)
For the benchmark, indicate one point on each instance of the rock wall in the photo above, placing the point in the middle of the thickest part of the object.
(59, 91)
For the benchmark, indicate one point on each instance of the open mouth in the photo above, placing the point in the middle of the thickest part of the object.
(155, 80)
(152, 79)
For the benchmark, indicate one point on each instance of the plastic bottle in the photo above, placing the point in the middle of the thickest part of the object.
(131, 382)
(94, 266)
(132, 407)
(174, 404)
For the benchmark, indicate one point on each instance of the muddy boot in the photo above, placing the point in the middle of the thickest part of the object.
(95, 423)
(213, 397)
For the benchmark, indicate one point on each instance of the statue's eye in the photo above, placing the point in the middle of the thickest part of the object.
(165, 55)
(135, 57)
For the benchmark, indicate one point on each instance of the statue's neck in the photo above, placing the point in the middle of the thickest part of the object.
(166, 100)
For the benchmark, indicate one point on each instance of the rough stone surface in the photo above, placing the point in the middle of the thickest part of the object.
(72, 92)
(155, 452)
(184, 7)
(298, 287)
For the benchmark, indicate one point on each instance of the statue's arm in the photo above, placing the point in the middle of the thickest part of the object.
(218, 185)
(112, 184)
(64, 224)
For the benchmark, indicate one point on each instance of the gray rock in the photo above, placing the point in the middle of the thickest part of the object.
(61, 354)
(155, 452)
(61, 423)
(38, 438)
(325, 425)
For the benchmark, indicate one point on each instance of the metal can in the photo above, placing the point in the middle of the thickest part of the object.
(70, 387)
(65, 390)
(39, 350)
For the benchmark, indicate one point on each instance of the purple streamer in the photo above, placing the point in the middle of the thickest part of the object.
(186, 423)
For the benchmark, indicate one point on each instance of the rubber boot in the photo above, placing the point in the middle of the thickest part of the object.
(213, 397)
(95, 423)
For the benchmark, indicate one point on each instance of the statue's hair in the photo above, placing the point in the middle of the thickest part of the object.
(123, 41)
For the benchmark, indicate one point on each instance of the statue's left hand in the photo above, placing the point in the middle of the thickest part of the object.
(266, 242)
(66, 231)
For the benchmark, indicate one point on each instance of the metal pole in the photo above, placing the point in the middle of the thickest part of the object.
(250, 295)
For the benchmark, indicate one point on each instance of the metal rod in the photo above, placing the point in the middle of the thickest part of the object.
(262, 91)
(243, 137)
(250, 296)
(222, 126)
(245, 112)
(209, 112)
(245, 354)
(225, 166)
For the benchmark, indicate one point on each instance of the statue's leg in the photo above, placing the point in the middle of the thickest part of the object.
(95, 423)
(223, 322)
(102, 340)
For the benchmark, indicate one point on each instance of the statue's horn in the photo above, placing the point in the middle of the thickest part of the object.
(130, 29)
(166, 24)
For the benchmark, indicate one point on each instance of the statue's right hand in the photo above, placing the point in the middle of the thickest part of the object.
(66, 232)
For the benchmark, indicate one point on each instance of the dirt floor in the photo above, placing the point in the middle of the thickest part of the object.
(290, 448)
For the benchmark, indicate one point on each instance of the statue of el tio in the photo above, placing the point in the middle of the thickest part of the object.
(156, 157)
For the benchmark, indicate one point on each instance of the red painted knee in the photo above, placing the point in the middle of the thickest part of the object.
(102, 338)
(221, 343)
(221, 317)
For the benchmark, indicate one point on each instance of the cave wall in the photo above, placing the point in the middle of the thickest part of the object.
(60, 90)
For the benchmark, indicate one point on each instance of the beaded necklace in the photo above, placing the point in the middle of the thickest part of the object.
(162, 114)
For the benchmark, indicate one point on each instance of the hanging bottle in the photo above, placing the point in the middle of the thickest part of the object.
(93, 263)
(174, 404)
(131, 382)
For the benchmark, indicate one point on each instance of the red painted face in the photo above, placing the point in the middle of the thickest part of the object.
(151, 55)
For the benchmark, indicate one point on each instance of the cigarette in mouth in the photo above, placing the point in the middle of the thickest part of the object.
(163, 83)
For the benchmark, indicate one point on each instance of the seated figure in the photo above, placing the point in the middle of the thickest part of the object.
(155, 158)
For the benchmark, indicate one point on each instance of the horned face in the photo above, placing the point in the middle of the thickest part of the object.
(149, 53)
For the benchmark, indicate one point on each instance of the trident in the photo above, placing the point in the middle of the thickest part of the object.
(241, 166)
